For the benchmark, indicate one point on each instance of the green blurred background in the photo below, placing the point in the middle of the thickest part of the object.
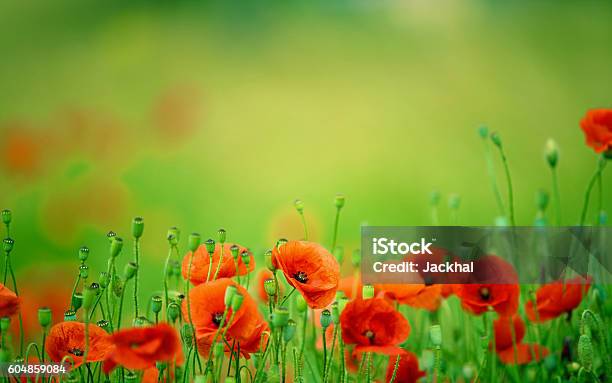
(218, 114)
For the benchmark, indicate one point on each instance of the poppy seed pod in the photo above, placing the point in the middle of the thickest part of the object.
(174, 269)
(339, 201)
(289, 330)
(110, 236)
(281, 242)
(187, 333)
(435, 334)
(300, 303)
(434, 198)
(246, 258)
(116, 246)
(454, 200)
(129, 271)
(77, 300)
(483, 131)
(194, 241)
(551, 152)
(69, 315)
(585, 352)
(44, 317)
(335, 311)
(84, 271)
(89, 297)
(131, 377)
(156, 304)
(141, 322)
(83, 253)
(234, 250)
(270, 287)
(95, 287)
(7, 216)
(237, 301)
(230, 291)
(299, 205)
(7, 244)
(117, 285)
(367, 292)
(356, 258)
(222, 235)
(280, 317)
(173, 311)
(342, 302)
(137, 227)
(496, 139)
(210, 246)
(268, 259)
(173, 235)
(326, 319)
(5, 323)
(103, 324)
(542, 198)
(104, 279)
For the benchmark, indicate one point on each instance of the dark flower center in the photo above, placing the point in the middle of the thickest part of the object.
(301, 277)
(485, 294)
(370, 335)
(216, 318)
(76, 351)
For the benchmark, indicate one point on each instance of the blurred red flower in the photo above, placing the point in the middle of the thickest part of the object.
(68, 339)
(351, 286)
(519, 353)
(554, 299)
(597, 128)
(201, 261)
(408, 369)
(373, 325)
(414, 295)
(311, 269)
(477, 299)
(9, 302)
(138, 348)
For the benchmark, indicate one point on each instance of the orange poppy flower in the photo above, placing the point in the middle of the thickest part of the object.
(597, 128)
(207, 302)
(519, 353)
(9, 302)
(138, 348)
(311, 269)
(477, 299)
(415, 295)
(373, 325)
(261, 278)
(407, 370)
(351, 286)
(201, 262)
(68, 339)
(554, 299)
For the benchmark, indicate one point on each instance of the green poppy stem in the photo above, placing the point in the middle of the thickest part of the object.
(555, 182)
(395, 368)
(137, 261)
(587, 195)
(509, 181)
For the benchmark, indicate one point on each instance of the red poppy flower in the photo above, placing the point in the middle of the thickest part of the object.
(138, 348)
(9, 302)
(311, 269)
(201, 261)
(556, 298)
(407, 370)
(68, 339)
(414, 295)
(207, 302)
(477, 299)
(351, 287)
(519, 353)
(373, 325)
(597, 128)
(261, 278)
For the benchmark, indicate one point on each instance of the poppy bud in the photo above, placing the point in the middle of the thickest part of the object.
(187, 333)
(210, 246)
(156, 304)
(173, 311)
(270, 287)
(268, 259)
(104, 325)
(110, 236)
(281, 242)
(234, 250)
(83, 253)
(326, 319)
(585, 352)
(289, 330)
(339, 254)
(551, 152)
(237, 301)
(129, 271)
(173, 236)
(69, 315)
(356, 258)
(483, 131)
(230, 291)
(299, 205)
(367, 292)
(44, 317)
(222, 234)
(246, 258)
(194, 241)
(300, 303)
(103, 279)
(137, 227)
(116, 246)
(84, 271)
(7, 216)
(77, 300)
(280, 316)
(5, 323)
(141, 322)
(7, 244)
(339, 201)
(542, 198)
(454, 200)
(435, 334)
(496, 139)
(89, 296)
(335, 311)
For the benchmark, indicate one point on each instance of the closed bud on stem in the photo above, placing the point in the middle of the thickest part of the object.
(210, 246)
(221, 235)
(141, 322)
(585, 352)
(339, 201)
(270, 287)
(218, 349)
(356, 258)
(117, 285)
(89, 297)
(44, 317)
(246, 258)
(280, 317)
(483, 132)
(367, 292)
(83, 253)
(342, 302)
(104, 325)
(5, 323)
(434, 198)
(173, 311)
(542, 198)
(268, 259)
(116, 246)
(104, 279)
(95, 287)
(496, 139)
(84, 271)
(300, 303)
(77, 300)
(299, 206)
(335, 313)
(230, 291)
(435, 334)
(551, 152)
(69, 315)
(454, 200)
(129, 271)
(110, 236)
(194, 241)
(156, 304)
(187, 333)
(289, 330)
(137, 227)
(281, 242)
(7, 216)
(326, 318)
(235, 251)
(237, 300)
(339, 254)
(173, 236)
(7, 244)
